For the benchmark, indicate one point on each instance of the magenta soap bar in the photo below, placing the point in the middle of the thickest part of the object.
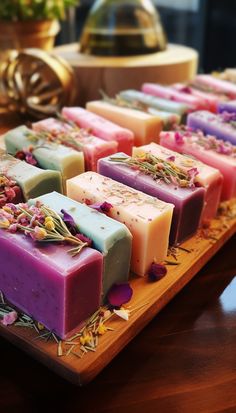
(188, 202)
(207, 177)
(219, 125)
(211, 151)
(45, 282)
(93, 147)
(101, 127)
(213, 84)
(165, 92)
(209, 101)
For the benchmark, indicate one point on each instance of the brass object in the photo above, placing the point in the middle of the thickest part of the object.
(35, 83)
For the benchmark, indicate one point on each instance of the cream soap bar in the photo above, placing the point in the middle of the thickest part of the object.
(211, 151)
(49, 156)
(33, 181)
(92, 147)
(208, 177)
(161, 104)
(188, 201)
(146, 127)
(46, 283)
(110, 237)
(101, 127)
(147, 218)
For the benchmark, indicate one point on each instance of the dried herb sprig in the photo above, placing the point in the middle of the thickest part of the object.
(60, 138)
(158, 169)
(120, 101)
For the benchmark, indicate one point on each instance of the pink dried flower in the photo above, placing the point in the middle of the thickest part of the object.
(171, 158)
(103, 207)
(9, 318)
(13, 228)
(179, 138)
(83, 238)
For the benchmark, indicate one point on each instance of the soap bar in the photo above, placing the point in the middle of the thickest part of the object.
(193, 102)
(110, 237)
(46, 283)
(218, 125)
(49, 156)
(169, 120)
(33, 181)
(213, 84)
(152, 101)
(92, 147)
(146, 127)
(147, 218)
(101, 127)
(211, 151)
(208, 177)
(229, 106)
(188, 202)
(209, 100)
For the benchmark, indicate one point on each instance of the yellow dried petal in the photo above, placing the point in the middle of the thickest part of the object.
(49, 225)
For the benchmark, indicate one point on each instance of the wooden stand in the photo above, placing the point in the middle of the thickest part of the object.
(113, 74)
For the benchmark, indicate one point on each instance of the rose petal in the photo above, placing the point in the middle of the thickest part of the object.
(69, 221)
(103, 207)
(156, 272)
(119, 294)
(83, 238)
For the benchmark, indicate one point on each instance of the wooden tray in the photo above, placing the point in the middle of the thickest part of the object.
(148, 299)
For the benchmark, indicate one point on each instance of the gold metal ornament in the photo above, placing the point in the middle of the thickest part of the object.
(35, 83)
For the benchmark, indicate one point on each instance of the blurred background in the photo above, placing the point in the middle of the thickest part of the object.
(209, 26)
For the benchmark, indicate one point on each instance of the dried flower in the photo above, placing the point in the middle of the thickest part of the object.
(9, 318)
(179, 138)
(156, 272)
(119, 294)
(103, 207)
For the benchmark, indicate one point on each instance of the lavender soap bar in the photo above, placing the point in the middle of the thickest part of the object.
(221, 125)
(46, 283)
(188, 200)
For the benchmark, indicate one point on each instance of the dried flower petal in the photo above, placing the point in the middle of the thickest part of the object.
(83, 238)
(119, 294)
(122, 313)
(103, 207)
(9, 318)
(156, 272)
(179, 138)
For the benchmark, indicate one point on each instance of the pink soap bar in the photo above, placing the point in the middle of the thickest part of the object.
(45, 282)
(216, 85)
(93, 147)
(212, 151)
(193, 102)
(208, 177)
(101, 127)
(209, 100)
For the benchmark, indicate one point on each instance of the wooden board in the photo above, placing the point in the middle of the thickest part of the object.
(112, 74)
(148, 299)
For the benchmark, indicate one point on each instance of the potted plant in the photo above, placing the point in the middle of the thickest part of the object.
(31, 23)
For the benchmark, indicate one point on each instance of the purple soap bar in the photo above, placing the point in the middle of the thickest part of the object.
(228, 106)
(188, 202)
(45, 282)
(221, 125)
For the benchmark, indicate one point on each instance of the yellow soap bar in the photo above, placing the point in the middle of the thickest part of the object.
(146, 127)
(147, 218)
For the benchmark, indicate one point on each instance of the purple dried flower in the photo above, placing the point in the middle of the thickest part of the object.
(186, 89)
(119, 294)
(103, 207)
(9, 318)
(171, 158)
(69, 221)
(156, 272)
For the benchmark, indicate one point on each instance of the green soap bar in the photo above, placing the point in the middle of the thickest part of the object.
(110, 237)
(32, 180)
(67, 161)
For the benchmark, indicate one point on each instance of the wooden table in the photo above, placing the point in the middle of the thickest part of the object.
(183, 361)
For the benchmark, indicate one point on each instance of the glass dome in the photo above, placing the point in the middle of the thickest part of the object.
(122, 28)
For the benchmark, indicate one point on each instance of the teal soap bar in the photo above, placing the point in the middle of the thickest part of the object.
(67, 161)
(33, 181)
(110, 237)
